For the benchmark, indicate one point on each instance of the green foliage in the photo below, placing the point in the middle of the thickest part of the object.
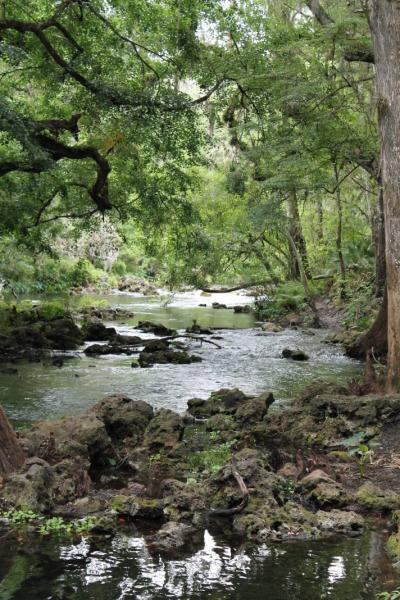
(213, 458)
(393, 595)
(48, 526)
(286, 298)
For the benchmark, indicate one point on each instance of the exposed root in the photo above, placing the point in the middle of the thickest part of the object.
(227, 512)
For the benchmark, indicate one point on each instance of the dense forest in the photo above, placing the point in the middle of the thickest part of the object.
(213, 145)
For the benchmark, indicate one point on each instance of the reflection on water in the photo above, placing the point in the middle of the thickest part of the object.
(124, 569)
(249, 360)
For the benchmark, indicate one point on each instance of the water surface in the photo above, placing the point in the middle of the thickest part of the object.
(249, 360)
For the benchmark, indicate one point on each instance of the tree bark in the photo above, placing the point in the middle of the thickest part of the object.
(378, 227)
(385, 26)
(11, 454)
(375, 340)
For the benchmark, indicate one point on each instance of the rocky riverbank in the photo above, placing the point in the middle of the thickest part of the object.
(298, 473)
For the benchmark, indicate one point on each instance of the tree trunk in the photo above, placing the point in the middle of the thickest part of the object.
(303, 276)
(375, 340)
(385, 27)
(296, 234)
(378, 227)
(11, 454)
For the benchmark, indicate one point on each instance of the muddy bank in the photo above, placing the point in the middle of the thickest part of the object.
(303, 473)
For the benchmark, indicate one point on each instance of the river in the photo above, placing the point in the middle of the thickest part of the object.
(218, 568)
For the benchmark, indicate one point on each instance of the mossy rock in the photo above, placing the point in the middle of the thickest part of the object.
(373, 498)
(140, 508)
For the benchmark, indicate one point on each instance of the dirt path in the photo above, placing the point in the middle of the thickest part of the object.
(330, 316)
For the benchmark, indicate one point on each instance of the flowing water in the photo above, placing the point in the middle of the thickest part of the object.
(249, 359)
(217, 569)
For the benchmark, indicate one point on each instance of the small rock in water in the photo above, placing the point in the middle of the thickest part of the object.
(218, 305)
(246, 309)
(298, 355)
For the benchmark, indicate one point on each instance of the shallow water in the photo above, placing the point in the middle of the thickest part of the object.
(248, 360)
(124, 569)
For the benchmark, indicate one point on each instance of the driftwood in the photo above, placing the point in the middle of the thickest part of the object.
(191, 336)
(11, 454)
(227, 512)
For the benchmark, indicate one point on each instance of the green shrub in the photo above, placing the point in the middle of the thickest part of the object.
(287, 297)
(119, 267)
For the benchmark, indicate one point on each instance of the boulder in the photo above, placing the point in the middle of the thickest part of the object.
(31, 489)
(165, 430)
(124, 417)
(254, 409)
(171, 537)
(314, 478)
(163, 357)
(222, 401)
(155, 329)
(136, 507)
(84, 436)
(57, 334)
(373, 498)
(328, 494)
(340, 521)
(95, 331)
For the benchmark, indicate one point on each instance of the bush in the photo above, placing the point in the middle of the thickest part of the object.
(288, 297)
(119, 267)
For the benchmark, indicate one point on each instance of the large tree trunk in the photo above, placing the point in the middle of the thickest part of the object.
(385, 27)
(11, 454)
(378, 228)
(375, 340)
(296, 234)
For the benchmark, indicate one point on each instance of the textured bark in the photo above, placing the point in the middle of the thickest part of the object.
(11, 454)
(378, 227)
(375, 340)
(385, 27)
